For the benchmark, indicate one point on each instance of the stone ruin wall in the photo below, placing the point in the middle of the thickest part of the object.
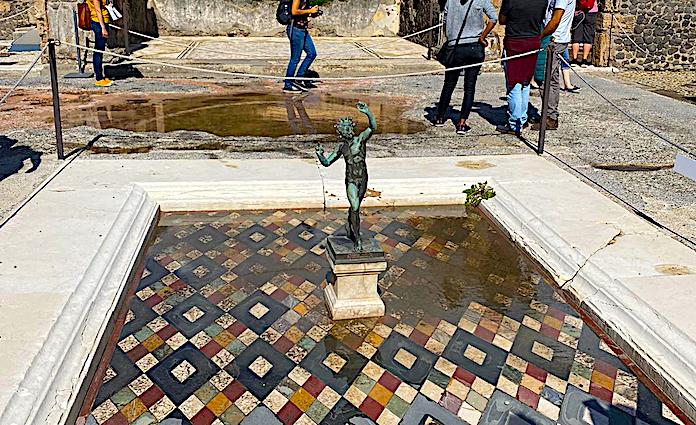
(10, 7)
(665, 29)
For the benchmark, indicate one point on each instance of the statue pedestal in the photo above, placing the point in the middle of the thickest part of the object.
(352, 294)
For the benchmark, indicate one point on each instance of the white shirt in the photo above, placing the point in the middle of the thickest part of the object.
(562, 34)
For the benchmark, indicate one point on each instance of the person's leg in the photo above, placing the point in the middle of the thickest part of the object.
(296, 41)
(451, 79)
(565, 70)
(588, 36)
(311, 54)
(524, 104)
(576, 51)
(98, 58)
(514, 99)
(470, 79)
(576, 36)
(586, 52)
(472, 56)
(555, 80)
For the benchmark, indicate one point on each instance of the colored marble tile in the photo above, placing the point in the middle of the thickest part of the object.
(487, 366)
(247, 368)
(337, 378)
(418, 371)
(175, 388)
(271, 354)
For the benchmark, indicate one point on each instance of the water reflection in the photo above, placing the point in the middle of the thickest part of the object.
(241, 114)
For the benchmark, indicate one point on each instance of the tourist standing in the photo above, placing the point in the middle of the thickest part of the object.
(584, 29)
(300, 41)
(466, 32)
(559, 19)
(524, 21)
(100, 19)
(568, 86)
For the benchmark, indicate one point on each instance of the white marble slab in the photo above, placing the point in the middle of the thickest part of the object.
(65, 256)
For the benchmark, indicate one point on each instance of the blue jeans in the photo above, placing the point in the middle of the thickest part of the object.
(518, 101)
(300, 41)
(565, 65)
(99, 44)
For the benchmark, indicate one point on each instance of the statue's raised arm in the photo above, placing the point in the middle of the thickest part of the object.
(367, 133)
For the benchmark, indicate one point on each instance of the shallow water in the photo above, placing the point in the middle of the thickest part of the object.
(237, 298)
(243, 114)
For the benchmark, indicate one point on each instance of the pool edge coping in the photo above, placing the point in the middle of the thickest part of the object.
(575, 274)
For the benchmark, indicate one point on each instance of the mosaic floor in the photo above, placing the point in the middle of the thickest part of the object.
(229, 326)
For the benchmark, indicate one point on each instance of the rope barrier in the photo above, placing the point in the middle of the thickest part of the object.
(276, 77)
(24, 76)
(328, 55)
(628, 36)
(7, 18)
(385, 42)
(633, 208)
(186, 46)
(629, 116)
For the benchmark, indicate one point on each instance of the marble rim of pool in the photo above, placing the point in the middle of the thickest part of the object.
(186, 243)
(596, 285)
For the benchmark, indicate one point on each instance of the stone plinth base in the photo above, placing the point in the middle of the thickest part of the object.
(352, 293)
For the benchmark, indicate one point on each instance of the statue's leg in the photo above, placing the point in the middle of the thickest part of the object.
(354, 214)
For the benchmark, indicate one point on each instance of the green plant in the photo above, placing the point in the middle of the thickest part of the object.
(478, 193)
(319, 3)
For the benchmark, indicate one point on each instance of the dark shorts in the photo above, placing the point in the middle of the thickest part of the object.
(584, 28)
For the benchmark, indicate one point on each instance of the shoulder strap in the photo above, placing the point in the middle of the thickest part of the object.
(466, 16)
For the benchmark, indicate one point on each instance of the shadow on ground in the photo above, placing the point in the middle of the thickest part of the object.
(12, 157)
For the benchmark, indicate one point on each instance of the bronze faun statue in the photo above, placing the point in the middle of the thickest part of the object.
(353, 149)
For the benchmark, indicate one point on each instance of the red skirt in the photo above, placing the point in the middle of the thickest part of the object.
(520, 70)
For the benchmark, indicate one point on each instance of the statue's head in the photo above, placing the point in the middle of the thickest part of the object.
(345, 127)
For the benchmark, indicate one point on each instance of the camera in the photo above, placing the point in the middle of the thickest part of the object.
(318, 14)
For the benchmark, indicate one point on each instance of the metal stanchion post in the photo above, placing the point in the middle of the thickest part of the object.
(126, 17)
(80, 66)
(56, 98)
(545, 99)
(430, 33)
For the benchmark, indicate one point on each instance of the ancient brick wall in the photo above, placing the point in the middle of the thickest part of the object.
(663, 33)
(10, 7)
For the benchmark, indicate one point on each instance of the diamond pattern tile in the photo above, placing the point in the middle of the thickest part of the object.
(228, 325)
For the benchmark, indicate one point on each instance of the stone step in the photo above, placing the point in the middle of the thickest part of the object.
(19, 32)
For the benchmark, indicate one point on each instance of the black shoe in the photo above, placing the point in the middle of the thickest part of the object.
(574, 90)
(294, 88)
(308, 85)
(506, 129)
(439, 122)
(534, 120)
(462, 129)
(585, 63)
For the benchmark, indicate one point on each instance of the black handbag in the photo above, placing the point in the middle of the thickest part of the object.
(445, 53)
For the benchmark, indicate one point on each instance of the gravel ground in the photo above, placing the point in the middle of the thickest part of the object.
(594, 138)
(681, 83)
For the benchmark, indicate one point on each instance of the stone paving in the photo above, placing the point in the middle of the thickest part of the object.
(228, 325)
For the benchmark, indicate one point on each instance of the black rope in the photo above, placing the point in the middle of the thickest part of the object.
(636, 210)
(629, 116)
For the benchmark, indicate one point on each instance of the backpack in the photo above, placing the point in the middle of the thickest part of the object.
(284, 12)
(585, 5)
(84, 17)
